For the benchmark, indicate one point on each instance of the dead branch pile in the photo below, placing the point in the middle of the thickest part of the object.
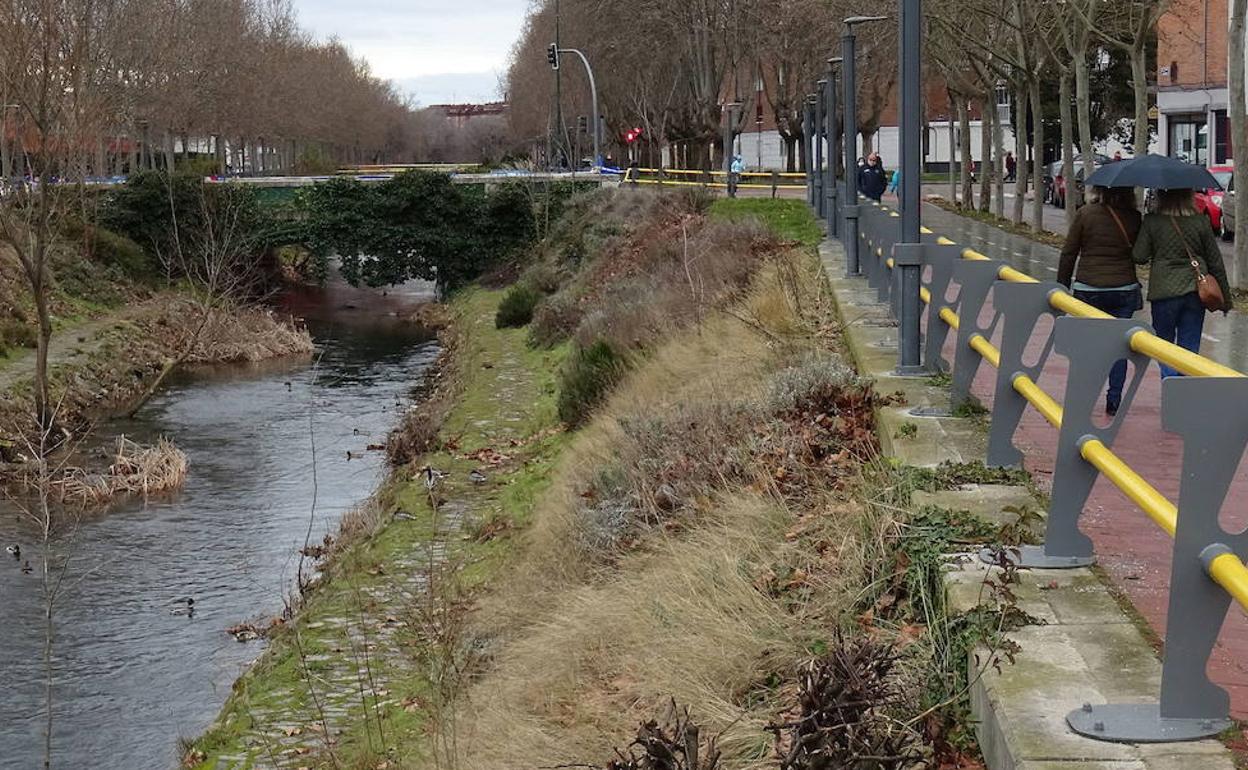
(842, 719)
(675, 744)
(136, 470)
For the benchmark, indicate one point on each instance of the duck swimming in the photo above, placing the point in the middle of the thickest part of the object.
(188, 610)
(14, 550)
(26, 568)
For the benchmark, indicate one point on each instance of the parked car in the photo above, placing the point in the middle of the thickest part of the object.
(1055, 184)
(1226, 226)
(1210, 202)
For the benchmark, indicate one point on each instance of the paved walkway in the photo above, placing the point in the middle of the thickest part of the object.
(1134, 552)
(1055, 219)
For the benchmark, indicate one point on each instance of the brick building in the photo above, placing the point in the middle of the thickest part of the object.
(1192, 93)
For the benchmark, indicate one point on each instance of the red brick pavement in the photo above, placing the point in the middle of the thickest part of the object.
(1130, 547)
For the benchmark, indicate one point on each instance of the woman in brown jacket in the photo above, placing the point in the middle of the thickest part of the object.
(1096, 264)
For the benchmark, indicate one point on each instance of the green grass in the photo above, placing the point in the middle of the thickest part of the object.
(790, 219)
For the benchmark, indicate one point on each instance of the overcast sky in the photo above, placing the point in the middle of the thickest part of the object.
(440, 51)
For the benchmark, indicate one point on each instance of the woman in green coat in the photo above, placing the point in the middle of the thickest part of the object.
(1169, 240)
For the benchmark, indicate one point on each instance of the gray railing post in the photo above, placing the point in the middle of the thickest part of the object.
(1208, 413)
(1091, 346)
(976, 279)
(941, 258)
(1021, 305)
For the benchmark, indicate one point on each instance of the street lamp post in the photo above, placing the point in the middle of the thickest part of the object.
(833, 211)
(849, 72)
(807, 148)
(908, 254)
(593, 94)
(821, 125)
(730, 110)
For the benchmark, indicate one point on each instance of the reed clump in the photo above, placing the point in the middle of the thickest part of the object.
(136, 470)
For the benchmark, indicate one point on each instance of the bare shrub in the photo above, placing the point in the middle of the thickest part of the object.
(844, 712)
(676, 743)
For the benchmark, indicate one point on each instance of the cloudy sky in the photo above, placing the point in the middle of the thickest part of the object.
(437, 50)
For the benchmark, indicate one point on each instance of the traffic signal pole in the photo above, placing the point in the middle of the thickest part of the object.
(593, 91)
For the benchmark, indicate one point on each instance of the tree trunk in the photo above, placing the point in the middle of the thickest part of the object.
(1083, 114)
(1139, 85)
(964, 148)
(1068, 149)
(953, 173)
(1239, 138)
(1020, 155)
(998, 150)
(1037, 157)
(987, 164)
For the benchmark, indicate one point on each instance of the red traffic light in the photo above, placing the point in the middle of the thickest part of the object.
(632, 135)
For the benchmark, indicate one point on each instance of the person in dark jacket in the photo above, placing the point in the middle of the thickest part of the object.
(1169, 240)
(1097, 264)
(872, 180)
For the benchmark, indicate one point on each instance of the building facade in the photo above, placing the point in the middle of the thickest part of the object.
(1192, 93)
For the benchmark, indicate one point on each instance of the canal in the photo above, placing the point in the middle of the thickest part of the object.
(273, 448)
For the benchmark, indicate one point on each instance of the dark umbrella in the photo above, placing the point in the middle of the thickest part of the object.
(1156, 171)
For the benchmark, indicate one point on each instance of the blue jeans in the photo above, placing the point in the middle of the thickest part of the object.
(1179, 319)
(1119, 304)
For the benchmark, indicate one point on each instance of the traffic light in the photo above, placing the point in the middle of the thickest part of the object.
(552, 56)
(582, 123)
(632, 135)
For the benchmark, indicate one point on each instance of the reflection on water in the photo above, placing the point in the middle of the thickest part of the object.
(263, 441)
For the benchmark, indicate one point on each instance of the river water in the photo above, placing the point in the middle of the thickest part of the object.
(131, 677)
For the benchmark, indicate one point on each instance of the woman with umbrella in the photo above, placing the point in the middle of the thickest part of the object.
(1182, 251)
(1187, 276)
(1100, 241)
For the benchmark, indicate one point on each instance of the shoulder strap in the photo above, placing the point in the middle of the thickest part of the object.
(1174, 221)
(1121, 228)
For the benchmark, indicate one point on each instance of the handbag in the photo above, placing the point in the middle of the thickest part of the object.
(1207, 287)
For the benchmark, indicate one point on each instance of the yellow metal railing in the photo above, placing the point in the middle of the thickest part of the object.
(708, 177)
(1227, 570)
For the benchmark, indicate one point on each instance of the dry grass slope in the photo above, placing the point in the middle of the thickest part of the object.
(712, 598)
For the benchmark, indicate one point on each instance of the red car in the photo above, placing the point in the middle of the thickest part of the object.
(1209, 202)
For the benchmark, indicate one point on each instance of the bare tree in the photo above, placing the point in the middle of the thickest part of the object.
(1239, 135)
